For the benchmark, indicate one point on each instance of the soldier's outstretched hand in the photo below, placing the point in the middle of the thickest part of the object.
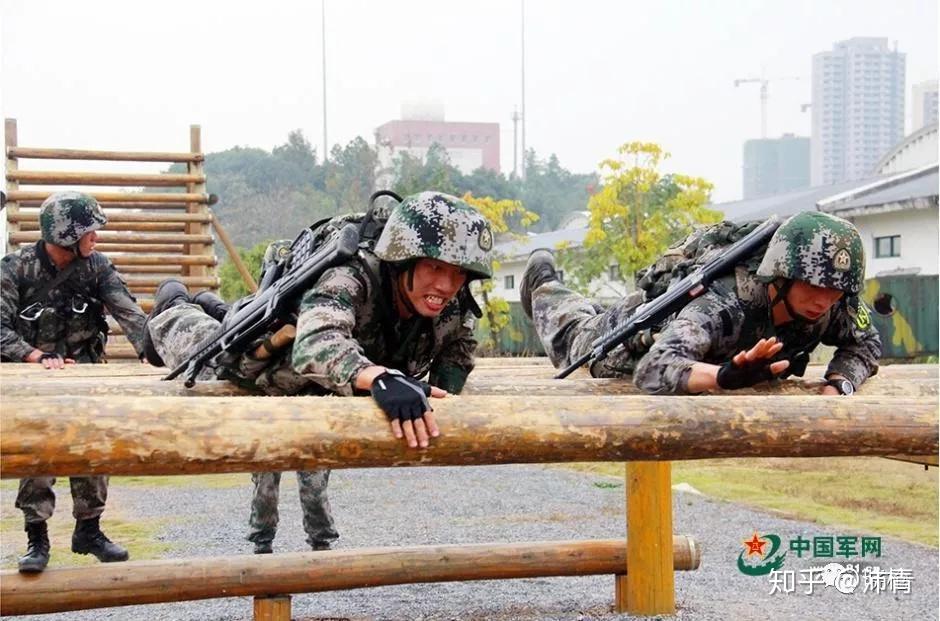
(405, 402)
(753, 365)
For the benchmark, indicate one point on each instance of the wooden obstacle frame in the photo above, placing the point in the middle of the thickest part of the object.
(150, 236)
(174, 430)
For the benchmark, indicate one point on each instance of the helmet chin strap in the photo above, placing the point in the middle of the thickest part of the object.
(781, 296)
(405, 300)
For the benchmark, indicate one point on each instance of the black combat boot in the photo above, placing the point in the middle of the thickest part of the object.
(318, 546)
(170, 293)
(37, 550)
(539, 270)
(263, 547)
(214, 306)
(88, 539)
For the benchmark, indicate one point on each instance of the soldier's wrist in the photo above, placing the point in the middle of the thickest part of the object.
(33, 356)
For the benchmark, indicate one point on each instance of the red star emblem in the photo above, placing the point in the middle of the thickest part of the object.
(755, 546)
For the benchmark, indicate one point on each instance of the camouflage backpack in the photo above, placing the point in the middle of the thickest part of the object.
(699, 247)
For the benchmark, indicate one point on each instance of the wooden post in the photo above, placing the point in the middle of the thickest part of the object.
(272, 608)
(196, 167)
(12, 207)
(234, 256)
(649, 588)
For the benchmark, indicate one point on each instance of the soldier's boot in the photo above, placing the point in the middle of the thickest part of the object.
(539, 270)
(170, 293)
(37, 550)
(263, 547)
(317, 546)
(88, 539)
(214, 306)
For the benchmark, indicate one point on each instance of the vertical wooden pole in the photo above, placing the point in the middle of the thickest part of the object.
(12, 207)
(649, 587)
(197, 228)
(272, 608)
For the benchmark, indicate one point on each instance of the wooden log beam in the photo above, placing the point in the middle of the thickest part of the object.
(108, 248)
(112, 237)
(172, 580)
(189, 281)
(121, 216)
(43, 177)
(147, 227)
(24, 385)
(115, 204)
(123, 197)
(117, 156)
(178, 435)
(168, 269)
(161, 259)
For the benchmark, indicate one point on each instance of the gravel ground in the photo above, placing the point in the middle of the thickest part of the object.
(415, 506)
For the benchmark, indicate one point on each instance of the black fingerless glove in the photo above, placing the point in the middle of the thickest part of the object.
(48, 356)
(401, 397)
(732, 376)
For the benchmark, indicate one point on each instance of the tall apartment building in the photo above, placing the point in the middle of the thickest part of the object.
(924, 104)
(858, 108)
(775, 165)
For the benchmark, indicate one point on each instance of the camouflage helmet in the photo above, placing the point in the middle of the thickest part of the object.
(65, 217)
(817, 248)
(438, 226)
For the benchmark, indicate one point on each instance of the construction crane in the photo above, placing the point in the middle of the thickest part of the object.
(763, 96)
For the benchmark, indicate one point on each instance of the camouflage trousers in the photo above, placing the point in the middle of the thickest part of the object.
(318, 521)
(176, 333)
(37, 500)
(568, 323)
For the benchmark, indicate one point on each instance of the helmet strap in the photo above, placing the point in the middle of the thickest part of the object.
(400, 271)
(781, 296)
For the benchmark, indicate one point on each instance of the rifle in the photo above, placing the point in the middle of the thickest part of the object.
(277, 295)
(673, 300)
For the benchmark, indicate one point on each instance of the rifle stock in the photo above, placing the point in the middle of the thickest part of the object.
(272, 303)
(673, 300)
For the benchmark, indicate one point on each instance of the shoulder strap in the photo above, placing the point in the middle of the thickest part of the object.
(60, 278)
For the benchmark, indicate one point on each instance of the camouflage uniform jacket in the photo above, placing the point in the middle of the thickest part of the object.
(348, 322)
(59, 329)
(733, 315)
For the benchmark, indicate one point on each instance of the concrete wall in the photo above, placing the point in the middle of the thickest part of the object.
(919, 232)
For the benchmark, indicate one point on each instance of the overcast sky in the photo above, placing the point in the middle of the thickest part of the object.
(135, 75)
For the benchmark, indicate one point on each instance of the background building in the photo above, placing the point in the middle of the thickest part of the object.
(469, 145)
(775, 165)
(858, 108)
(924, 104)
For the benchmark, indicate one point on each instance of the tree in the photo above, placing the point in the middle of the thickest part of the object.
(233, 286)
(496, 309)
(552, 191)
(412, 175)
(637, 213)
(350, 175)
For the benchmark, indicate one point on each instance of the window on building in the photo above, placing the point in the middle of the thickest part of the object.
(509, 282)
(888, 246)
(614, 273)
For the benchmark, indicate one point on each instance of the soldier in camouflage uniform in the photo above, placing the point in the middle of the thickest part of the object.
(52, 313)
(750, 326)
(375, 324)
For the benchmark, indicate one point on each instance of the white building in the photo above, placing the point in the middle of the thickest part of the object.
(924, 104)
(916, 151)
(858, 108)
(513, 255)
(896, 214)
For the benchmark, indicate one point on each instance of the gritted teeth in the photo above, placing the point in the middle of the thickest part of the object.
(433, 299)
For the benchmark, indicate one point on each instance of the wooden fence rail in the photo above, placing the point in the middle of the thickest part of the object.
(149, 582)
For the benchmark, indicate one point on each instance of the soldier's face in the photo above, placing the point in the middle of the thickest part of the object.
(435, 284)
(86, 244)
(810, 301)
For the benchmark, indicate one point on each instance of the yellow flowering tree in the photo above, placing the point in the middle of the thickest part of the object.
(636, 214)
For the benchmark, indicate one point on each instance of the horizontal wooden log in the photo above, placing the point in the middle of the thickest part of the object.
(123, 197)
(117, 156)
(150, 582)
(179, 435)
(44, 177)
(148, 227)
(126, 216)
(57, 384)
(168, 269)
(112, 237)
(162, 259)
(159, 248)
(165, 206)
(11, 372)
(189, 281)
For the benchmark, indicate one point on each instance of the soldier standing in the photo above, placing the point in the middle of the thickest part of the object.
(751, 326)
(52, 313)
(374, 325)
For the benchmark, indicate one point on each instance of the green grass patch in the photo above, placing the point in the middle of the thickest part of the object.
(864, 494)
